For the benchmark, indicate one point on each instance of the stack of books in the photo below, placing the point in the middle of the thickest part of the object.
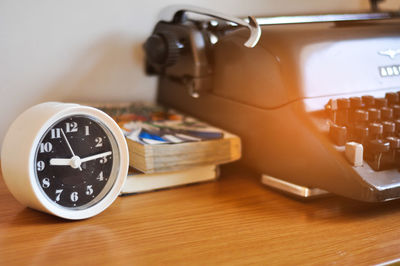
(168, 148)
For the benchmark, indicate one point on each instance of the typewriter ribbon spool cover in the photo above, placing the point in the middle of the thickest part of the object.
(315, 100)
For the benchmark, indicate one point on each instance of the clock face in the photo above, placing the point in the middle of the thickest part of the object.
(76, 162)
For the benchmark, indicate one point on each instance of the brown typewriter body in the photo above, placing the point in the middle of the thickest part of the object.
(281, 96)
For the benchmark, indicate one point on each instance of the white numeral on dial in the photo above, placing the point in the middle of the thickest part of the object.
(71, 127)
(99, 142)
(74, 196)
(46, 147)
(89, 190)
(46, 182)
(87, 131)
(58, 193)
(100, 177)
(55, 133)
(103, 160)
(40, 165)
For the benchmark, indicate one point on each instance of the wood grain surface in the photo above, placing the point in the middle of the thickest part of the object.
(232, 221)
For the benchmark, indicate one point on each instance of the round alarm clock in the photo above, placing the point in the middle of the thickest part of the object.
(65, 159)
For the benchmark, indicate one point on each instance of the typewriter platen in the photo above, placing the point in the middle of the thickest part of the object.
(316, 100)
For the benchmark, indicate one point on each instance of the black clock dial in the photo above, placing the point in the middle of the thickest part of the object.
(75, 162)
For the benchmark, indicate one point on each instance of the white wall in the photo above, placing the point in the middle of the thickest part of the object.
(91, 50)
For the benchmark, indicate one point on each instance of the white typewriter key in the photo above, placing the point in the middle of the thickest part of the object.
(354, 153)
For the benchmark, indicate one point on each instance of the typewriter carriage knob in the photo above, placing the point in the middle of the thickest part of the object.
(180, 47)
(162, 49)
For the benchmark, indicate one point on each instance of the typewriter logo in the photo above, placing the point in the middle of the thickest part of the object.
(390, 52)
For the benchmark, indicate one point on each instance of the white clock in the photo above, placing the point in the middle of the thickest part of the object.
(65, 159)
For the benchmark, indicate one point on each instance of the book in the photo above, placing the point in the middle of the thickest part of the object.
(161, 139)
(138, 182)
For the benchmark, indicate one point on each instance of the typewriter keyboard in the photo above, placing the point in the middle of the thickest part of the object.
(368, 128)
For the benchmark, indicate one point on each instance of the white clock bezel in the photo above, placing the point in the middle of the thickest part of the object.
(18, 163)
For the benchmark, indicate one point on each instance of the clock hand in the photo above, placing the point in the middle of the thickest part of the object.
(74, 162)
(96, 156)
(69, 146)
(60, 161)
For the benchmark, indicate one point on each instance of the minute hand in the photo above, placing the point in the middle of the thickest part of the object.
(96, 156)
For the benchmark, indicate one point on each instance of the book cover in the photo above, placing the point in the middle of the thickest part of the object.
(138, 182)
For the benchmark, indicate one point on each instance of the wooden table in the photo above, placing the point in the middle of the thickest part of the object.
(233, 221)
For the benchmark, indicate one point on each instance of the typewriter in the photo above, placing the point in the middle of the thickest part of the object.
(315, 99)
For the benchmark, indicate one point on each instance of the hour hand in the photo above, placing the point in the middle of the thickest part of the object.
(60, 161)
(74, 162)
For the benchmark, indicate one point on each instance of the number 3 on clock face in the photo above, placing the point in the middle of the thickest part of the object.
(78, 158)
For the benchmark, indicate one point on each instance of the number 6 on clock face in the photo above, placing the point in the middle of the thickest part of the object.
(79, 159)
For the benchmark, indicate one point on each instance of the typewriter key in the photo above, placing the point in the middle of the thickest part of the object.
(380, 102)
(374, 114)
(338, 134)
(376, 150)
(389, 128)
(392, 98)
(386, 114)
(375, 130)
(368, 101)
